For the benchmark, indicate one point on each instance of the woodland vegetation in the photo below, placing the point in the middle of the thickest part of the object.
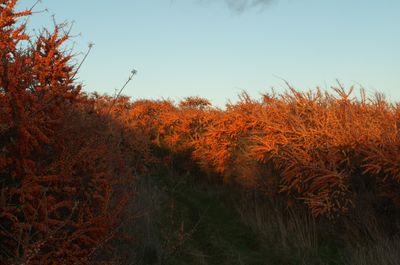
(317, 171)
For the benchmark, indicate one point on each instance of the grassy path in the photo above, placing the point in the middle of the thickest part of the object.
(199, 224)
(216, 234)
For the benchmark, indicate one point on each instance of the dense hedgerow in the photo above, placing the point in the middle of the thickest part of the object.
(66, 164)
(318, 148)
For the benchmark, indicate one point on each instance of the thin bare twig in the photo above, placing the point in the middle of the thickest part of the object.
(90, 46)
(133, 72)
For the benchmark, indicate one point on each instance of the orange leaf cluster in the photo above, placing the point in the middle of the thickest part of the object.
(65, 173)
(318, 148)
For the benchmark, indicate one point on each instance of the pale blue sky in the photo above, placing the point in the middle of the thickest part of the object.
(191, 47)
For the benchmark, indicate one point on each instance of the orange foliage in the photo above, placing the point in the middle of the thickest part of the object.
(194, 102)
(64, 171)
(314, 147)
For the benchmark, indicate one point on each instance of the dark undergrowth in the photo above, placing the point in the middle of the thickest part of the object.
(187, 221)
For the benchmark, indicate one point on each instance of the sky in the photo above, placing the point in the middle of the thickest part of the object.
(218, 48)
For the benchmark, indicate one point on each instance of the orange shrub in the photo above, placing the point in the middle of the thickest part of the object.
(65, 166)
